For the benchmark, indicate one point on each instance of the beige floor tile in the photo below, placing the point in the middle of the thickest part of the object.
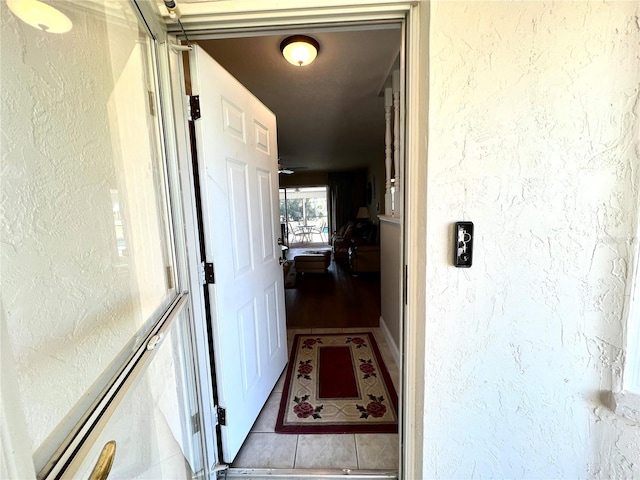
(385, 352)
(266, 421)
(383, 345)
(357, 330)
(321, 331)
(280, 383)
(377, 451)
(292, 332)
(387, 358)
(380, 338)
(392, 368)
(326, 451)
(395, 379)
(267, 450)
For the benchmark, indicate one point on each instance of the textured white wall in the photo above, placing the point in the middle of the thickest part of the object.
(534, 137)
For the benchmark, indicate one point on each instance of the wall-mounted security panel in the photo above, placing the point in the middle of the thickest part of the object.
(463, 244)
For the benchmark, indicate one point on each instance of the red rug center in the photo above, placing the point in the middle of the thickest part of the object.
(336, 378)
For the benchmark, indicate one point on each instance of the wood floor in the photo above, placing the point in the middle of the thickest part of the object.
(333, 300)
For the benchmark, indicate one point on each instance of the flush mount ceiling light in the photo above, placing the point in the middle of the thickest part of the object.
(299, 50)
(40, 15)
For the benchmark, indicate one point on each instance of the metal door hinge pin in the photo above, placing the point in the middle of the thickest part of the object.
(194, 107)
(221, 416)
(207, 274)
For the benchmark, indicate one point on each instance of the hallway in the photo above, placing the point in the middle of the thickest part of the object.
(335, 302)
(336, 299)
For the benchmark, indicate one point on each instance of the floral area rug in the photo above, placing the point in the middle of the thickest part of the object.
(337, 383)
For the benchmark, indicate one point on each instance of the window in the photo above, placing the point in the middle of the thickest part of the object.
(304, 212)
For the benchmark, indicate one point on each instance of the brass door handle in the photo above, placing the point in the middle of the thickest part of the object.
(105, 461)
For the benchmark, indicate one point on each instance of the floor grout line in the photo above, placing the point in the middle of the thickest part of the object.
(295, 452)
(355, 446)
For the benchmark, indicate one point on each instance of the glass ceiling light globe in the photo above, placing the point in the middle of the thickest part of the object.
(40, 15)
(299, 50)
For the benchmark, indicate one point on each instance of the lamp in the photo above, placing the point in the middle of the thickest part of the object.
(299, 50)
(40, 15)
(363, 212)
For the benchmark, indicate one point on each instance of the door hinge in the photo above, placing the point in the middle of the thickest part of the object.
(169, 277)
(221, 416)
(195, 423)
(207, 276)
(219, 469)
(194, 107)
(152, 103)
(404, 287)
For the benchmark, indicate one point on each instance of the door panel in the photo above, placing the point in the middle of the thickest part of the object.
(265, 187)
(240, 216)
(273, 333)
(262, 138)
(233, 121)
(250, 354)
(236, 143)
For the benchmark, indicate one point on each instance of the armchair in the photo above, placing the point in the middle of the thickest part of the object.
(353, 234)
(364, 258)
(341, 241)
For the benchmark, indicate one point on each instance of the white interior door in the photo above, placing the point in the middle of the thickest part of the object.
(237, 154)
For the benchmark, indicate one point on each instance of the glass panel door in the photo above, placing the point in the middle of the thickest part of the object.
(304, 211)
(151, 441)
(87, 251)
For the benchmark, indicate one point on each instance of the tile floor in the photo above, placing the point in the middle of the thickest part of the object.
(266, 449)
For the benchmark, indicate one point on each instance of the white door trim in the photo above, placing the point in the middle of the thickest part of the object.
(224, 17)
(414, 238)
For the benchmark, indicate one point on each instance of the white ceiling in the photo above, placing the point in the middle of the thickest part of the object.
(330, 113)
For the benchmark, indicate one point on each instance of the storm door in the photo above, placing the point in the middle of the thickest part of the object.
(94, 305)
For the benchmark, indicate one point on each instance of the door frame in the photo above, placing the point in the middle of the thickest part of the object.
(202, 20)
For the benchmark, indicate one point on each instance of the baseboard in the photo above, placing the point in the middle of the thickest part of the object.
(395, 352)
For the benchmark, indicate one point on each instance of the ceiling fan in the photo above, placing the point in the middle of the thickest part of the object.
(285, 170)
(289, 170)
